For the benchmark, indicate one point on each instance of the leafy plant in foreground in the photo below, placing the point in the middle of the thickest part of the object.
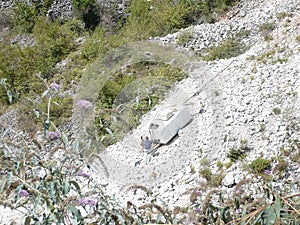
(259, 165)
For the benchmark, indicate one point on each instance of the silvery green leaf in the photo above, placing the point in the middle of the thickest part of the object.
(37, 113)
(2, 185)
(10, 176)
(109, 132)
(75, 147)
(277, 206)
(3, 81)
(244, 213)
(17, 190)
(10, 96)
(56, 103)
(66, 187)
(119, 106)
(237, 202)
(45, 93)
(88, 144)
(158, 219)
(137, 102)
(149, 100)
(258, 218)
(46, 127)
(120, 219)
(269, 216)
(75, 213)
(65, 139)
(101, 123)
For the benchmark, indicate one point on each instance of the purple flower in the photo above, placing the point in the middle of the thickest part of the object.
(197, 210)
(198, 192)
(53, 135)
(54, 86)
(83, 174)
(238, 211)
(267, 172)
(23, 193)
(84, 103)
(86, 201)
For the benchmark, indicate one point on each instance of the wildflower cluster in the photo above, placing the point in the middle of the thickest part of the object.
(23, 193)
(54, 86)
(84, 104)
(86, 201)
(83, 174)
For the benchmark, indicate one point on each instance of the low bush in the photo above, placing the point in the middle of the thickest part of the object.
(137, 105)
(276, 111)
(259, 165)
(26, 15)
(266, 29)
(206, 173)
(210, 9)
(227, 49)
(235, 154)
(6, 20)
(281, 15)
(184, 37)
(53, 42)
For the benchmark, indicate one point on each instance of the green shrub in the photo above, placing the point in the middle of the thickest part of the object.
(228, 164)
(6, 20)
(192, 169)
(267, 27)
(60, 111)
(95, 44)
(298, 38)
(146, 19)
(83, 4)
(227, 49)
(53, 42)
(243, 33)
(280, 167)
(54, 190)
(259, 165)
(206, 173)
(268, 55)
(219, 164)
(157, 18)
(265, 30)
(216, 180)
(235, 154)
(211, 8)
(184, 37)
(268, 37)
(281, 15)
(204, 161)
(276, 111)
(13, 71)
(26, 15)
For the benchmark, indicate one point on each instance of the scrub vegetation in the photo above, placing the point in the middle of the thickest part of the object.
(41, 63)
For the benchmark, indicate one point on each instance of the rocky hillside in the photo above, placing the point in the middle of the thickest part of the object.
(249, 110)
(245, 130)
